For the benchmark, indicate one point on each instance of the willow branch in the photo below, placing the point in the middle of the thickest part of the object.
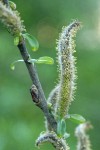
(41, 100)
(42, 104)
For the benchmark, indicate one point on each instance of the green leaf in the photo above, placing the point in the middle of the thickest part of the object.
(12, 5)
(16, 40)
(32, 41)
(61, 127)
(42, 60)
(76, 118)
(45, 60)
(12, 66)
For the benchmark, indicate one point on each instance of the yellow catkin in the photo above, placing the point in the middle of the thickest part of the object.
(67, 70)
(11, 20)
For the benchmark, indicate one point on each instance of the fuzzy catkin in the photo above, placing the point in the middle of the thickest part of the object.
(11, 20)
(58, 143)
(53, 97)
(82, 137)
(67, 69)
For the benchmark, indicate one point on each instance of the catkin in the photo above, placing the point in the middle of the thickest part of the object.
(67, 69)
(11, 20)
(58, 143)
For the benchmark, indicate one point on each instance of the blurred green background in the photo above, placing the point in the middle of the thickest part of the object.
(20, 120)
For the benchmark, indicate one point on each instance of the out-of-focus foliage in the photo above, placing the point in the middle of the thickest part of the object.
(21, 121)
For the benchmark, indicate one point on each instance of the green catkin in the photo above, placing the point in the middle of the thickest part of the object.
(58, 143)
(67, 69)
(82, 137)
(53, 97)
(11, 20)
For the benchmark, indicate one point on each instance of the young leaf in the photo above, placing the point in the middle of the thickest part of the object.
(12, 5)
(16, 40)
(12, 66)
(42, 60)
(76, 118)
(45, 60)
(59, 127)
(32, 41)
(63, 127)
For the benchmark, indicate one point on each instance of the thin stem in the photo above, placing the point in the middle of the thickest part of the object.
(34, 77)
